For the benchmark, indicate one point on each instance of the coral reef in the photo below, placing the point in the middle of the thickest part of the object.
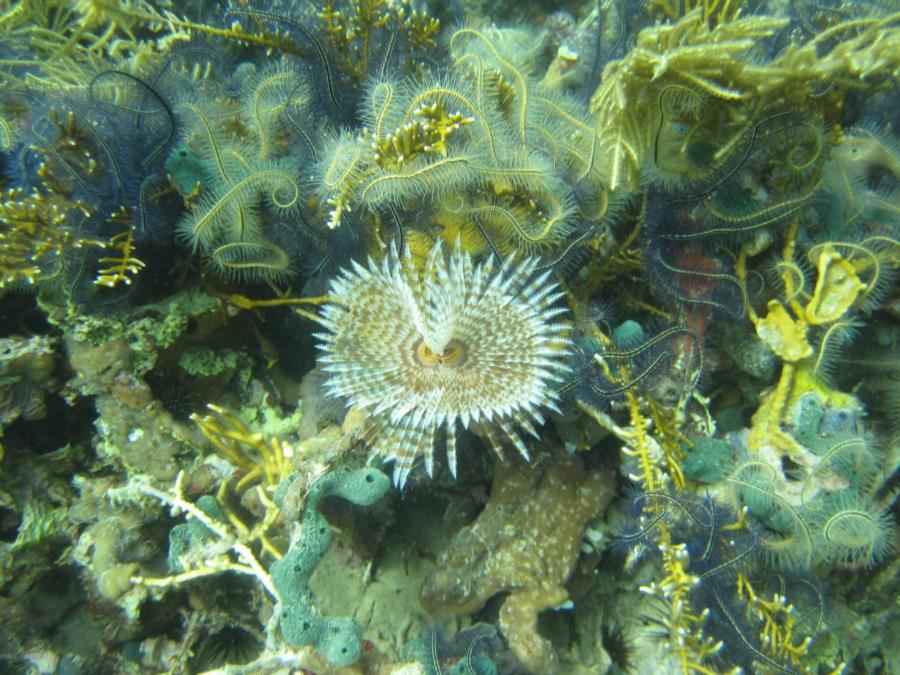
(211, 526)
(26, 371)
(612, 287)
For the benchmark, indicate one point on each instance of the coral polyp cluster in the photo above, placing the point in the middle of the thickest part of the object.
(425, 348)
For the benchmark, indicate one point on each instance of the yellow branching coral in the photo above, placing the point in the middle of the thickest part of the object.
(120, 265)
(711, 61)
(421, 29)
(779, 633)
(862, 52)
(425, 350)
(804, 328)
(261, 459)
(427, 132)
(714, 11)
(351, 31)
(682, 624)
(722, 84)
(37, 231)
(404, 151)
(67, 42)
(32, 236)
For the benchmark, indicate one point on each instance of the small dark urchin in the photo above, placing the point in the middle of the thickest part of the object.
(420, 347)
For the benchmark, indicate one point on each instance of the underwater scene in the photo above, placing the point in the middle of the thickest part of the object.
(449, 337)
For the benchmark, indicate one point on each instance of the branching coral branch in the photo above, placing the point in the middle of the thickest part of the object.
(716, 63)
(175, 500)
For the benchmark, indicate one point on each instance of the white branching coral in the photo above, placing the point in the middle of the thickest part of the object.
(423, 348)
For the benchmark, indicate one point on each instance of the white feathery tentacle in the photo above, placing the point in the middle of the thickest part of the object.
(422, 347)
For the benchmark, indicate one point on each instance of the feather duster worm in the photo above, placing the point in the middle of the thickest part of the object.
(427, 348)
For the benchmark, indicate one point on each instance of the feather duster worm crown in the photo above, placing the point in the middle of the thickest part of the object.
(422, 347)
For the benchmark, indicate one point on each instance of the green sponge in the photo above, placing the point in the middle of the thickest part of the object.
(708, 461)
(193, 535)
(339, 640)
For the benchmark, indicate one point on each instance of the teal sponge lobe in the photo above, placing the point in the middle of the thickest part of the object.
(338, 639)
(363, 487)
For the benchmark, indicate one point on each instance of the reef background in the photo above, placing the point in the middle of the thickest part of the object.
(713, 187)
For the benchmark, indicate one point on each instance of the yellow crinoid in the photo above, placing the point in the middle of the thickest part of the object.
(423, 348)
